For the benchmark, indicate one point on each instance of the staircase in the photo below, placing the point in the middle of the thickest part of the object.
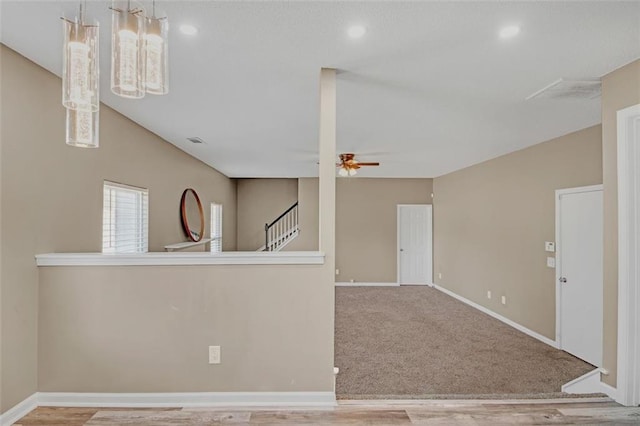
(281, 231)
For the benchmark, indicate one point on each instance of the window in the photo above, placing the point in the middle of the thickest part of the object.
(125, 219)
(216, 228)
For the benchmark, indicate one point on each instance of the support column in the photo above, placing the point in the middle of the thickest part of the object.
(327, 191)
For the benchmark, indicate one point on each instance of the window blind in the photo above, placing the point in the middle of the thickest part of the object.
(125, 219)
(216, 227)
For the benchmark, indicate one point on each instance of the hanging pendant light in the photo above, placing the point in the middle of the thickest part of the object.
(82, 128)
(127, 51)
(80, 70)
(80, 81)
(156, 54)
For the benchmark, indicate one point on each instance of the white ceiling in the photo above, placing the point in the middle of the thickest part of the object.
(431, 88)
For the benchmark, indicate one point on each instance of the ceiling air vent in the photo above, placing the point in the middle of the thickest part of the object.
(569, 89)
(195, 140)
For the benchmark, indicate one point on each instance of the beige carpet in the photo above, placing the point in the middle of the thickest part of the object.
(410, 342)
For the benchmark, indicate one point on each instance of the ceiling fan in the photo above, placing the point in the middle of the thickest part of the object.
(348, 166)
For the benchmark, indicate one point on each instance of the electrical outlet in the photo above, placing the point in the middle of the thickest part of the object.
(504, 300)
(337, 271)
(489, 294)
(214, 354)
(551, 262)
(439, 275)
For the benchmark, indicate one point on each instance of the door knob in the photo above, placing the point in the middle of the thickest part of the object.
(562, 279)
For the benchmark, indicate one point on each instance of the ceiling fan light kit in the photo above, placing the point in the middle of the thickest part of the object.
(347, 172)
(139, 65)
(348, 166)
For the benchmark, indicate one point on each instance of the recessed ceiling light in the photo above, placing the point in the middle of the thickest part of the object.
(356, 31)
(510, 31)
(188, 29)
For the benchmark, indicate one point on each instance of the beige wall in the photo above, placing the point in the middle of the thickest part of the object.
(308, 208)
(147, 329)
(366, 225)
(261, 201)
(491, 221)
(52, 199)
(620, 89)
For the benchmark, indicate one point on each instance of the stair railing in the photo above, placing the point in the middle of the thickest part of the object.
(281, 229)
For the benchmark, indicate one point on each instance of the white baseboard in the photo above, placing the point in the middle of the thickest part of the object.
(609, 390)
(19, 410)
(587, 383)
(359, 284)
(499, 317)
(187, 399)
(179, 399)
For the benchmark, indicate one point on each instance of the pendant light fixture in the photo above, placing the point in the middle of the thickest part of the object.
(139, 65)
(82, 128)
(127, 51)
(80, 80)
(156, 54)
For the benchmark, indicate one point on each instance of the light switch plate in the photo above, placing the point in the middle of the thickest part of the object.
(504, 300)
(550, 246)
(551, 262)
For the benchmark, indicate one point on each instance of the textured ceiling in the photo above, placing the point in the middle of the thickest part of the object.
(431, 88)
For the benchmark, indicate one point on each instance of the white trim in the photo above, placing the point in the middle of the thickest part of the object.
(558, 269)
(429, 243)
(19, 410)
(587, 383)
(428, 284)
(290, 236)
(609, 390)
(499, 317)
(628, 380)
(187, 244)
(187, 399)
(359, 284)
(181, 258)
(467, 402)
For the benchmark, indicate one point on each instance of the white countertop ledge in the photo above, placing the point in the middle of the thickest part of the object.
(182, 258)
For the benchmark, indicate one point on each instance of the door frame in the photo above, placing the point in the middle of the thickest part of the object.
(628, 361)
(429, 242)
(559, 193)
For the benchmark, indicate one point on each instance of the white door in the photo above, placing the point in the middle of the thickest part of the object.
(414, 244)
(579, 271)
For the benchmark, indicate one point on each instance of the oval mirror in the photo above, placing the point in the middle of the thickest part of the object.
(192, 215)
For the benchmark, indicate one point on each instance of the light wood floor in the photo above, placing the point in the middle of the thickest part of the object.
(600, 411)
